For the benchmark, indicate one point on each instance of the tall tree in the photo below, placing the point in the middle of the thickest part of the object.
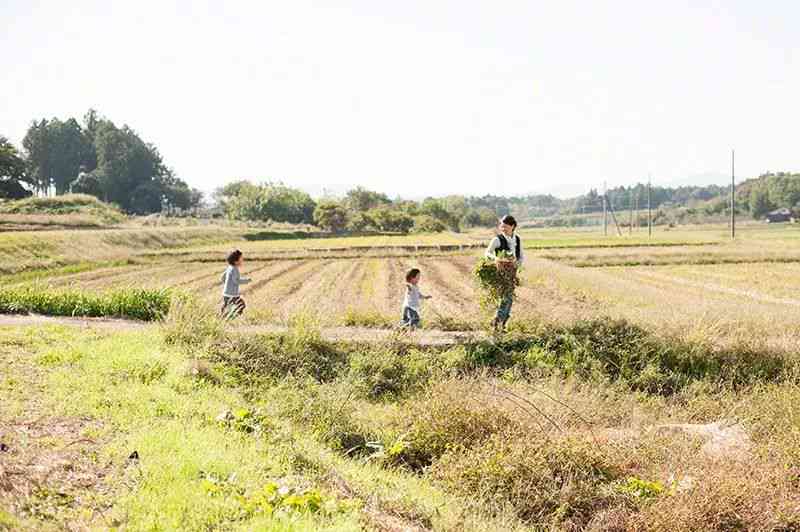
(362, 200)
(37, 148)
(12, 171)
(57, 151)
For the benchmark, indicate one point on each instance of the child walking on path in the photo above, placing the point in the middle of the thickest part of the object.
(412, 300)
(510, 243)
(232, 303)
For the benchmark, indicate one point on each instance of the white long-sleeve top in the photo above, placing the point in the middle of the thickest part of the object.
(413, 297)
(494, 245)
(231, 280)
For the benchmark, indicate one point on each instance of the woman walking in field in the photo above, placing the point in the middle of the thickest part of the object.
(506, 250)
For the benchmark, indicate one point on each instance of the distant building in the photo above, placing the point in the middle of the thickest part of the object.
(779, 216)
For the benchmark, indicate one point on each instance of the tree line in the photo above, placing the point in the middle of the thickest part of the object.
(93, 157)
(360, 210)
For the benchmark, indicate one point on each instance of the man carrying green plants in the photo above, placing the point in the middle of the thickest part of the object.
(506, 251)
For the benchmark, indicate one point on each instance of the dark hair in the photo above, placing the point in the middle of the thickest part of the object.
(509, 220)
(410, 274)
(234, 256)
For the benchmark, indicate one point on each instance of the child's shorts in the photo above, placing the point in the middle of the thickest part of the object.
(232, 306)
(410, 318)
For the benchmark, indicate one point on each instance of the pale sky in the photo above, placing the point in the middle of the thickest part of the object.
(420, 98)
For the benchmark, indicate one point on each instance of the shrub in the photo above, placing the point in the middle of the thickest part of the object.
(618, 350)
(727, 497)
(451, 414)
(390, 373)
(276, 356)
(557, 482)
(135, 303)
(425, 223)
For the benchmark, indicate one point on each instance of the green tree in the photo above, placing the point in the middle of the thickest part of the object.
(37, 148)
(362, 200)
(243, 200)
(428, 224)
(360, 222)
(391, 220)
(56, 153)
(759, 202)
(331, 216)
(12, 171)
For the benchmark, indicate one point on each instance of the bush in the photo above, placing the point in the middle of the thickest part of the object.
(727, 497)
(557, 482)
(451, 414)
(135, 303)
(390, 373)
(425, 223)
(274, 356)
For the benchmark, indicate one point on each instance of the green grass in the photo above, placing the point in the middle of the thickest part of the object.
(134, 303)
(452, 439)
(67, 204)
(195, 471)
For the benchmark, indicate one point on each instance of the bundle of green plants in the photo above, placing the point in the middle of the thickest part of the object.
(134, 303)
(496, 279)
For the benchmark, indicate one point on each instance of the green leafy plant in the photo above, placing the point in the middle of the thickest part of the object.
(641, 489)
(136, 303)
(496, 279)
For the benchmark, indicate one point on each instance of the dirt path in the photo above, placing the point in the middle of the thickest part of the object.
(424, 337)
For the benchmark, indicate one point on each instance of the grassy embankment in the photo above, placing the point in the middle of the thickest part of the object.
(37, 250)
(557, 427)
(77, 211)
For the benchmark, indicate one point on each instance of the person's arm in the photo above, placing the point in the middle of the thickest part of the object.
(491, 251)
(521, 258)
(240, 279)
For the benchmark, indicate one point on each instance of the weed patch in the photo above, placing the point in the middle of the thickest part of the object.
(558, 482)
(134, 303)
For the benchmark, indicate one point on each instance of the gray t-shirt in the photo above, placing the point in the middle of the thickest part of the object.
(413, 297)
(231, 280)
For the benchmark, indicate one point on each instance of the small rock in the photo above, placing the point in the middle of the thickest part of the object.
(4, 448)
(225, 415)
(134, 455)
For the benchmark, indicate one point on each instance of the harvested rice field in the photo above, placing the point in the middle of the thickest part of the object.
(684, 289)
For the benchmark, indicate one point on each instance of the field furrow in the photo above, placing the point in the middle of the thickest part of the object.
(271, 293)
(106, 274)
(315, 295)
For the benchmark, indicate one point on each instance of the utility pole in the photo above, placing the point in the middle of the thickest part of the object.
(733, 194)
(649, 206)
(630, 208)
(605, 211)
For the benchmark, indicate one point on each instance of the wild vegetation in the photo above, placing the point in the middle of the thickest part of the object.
(134, 303)
(644, 385)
